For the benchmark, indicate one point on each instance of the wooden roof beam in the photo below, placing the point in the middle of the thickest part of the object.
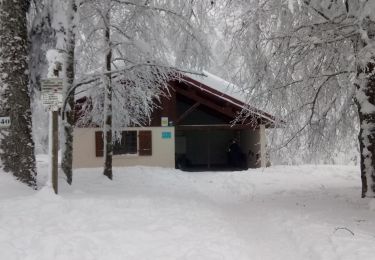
(188, 112)
(223, 110)
(222, 127)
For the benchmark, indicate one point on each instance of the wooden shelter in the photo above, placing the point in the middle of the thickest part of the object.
(191, 130)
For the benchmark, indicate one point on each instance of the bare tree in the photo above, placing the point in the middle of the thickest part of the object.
(143, 43)
(107, 79)
(69, 74)
(312, 64)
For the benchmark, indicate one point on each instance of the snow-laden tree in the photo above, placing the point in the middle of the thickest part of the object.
(108, 89)
(311, 63)
(141, 45)
(42, 38)
(16, 143)
(69, 76)
(53, 25)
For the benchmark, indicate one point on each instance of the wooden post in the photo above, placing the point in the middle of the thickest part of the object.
(55, 145)
(262, 139)
(208, 149)
(55, 139)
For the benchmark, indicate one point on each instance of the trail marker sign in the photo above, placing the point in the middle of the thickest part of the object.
(4, 121)
(52, 99)
(52, 93)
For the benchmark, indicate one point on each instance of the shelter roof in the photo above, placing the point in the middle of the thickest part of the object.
(227, 92)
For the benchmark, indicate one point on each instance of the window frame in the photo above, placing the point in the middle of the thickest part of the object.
(124, 148)
(143, 141)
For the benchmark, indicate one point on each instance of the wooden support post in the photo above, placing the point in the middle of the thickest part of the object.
(208, 149)
(263, 156)
(55, 145)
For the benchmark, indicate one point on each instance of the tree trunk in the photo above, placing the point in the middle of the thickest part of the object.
(17, 146)
(365, 100)
(67, 157)
(363, 175)
(42, 38)
(108, 150)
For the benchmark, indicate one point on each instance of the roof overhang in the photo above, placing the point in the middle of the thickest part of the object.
(239, 111)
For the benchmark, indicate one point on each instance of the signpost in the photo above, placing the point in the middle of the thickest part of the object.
(52, 99)
(52, 93)
(4, 122)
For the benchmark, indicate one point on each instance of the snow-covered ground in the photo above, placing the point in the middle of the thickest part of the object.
(304, 212)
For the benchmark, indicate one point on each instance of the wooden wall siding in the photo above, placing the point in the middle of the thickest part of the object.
(211, 102)
(81, 106)
(145, 143)
(193, 114)
(199, 99)
(167, 107)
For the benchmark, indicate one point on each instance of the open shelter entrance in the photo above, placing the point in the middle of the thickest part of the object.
(201, 148)
(204, 132)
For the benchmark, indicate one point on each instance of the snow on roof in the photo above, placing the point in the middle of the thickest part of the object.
(220, 85)
(228, 89)
(221, 88)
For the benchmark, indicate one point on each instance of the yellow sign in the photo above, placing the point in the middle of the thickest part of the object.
(164, 121)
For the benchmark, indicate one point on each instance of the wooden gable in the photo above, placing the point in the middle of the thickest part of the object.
(203, 98)
(198, 97)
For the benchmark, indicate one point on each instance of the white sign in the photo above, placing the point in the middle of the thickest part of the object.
(164, 121)
(52, 92)
(4, 121)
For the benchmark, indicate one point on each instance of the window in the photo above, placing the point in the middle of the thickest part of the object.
(127, 144)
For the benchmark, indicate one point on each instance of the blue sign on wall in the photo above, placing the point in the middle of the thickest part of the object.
(166, 135)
